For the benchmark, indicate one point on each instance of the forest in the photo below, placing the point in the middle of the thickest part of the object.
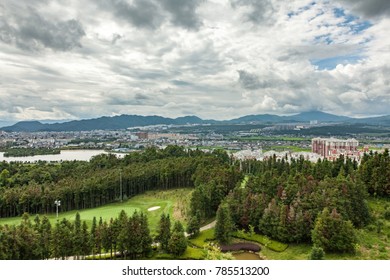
(25, 152)
(293, 201)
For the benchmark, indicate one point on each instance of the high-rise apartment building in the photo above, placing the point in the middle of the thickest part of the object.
(327, 147)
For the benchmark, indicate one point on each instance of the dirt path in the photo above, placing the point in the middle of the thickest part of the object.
(210, 225)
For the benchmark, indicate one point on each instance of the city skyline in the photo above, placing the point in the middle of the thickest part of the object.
(218, 59)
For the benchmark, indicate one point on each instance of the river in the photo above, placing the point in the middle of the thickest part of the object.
(83, 155)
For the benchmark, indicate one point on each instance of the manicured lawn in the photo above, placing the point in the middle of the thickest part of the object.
(286, 148)
(293, 252)
(203, 238)
(171, 201)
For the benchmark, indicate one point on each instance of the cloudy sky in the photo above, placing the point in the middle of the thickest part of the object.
(71, 59)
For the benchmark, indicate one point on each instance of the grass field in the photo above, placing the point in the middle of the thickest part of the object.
(203, 238)
(286, 148)
(173, 202)
(270, 138)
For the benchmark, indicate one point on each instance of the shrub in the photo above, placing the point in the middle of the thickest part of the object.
(317, 253)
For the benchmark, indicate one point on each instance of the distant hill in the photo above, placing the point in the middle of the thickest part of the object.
(265, 118)
(126, 121)
(28, 126)
(319, 116)
(103, 123)
(302, 117)
(384, 120)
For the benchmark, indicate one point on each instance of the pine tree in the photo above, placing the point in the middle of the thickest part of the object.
(122, 233)
(92, 236)
(334, 234)
(164, 231)
(45, 237)
(77, 239)
(177, 244)
(146, 240)
(193, 227)
(224, 226)
(85, 240)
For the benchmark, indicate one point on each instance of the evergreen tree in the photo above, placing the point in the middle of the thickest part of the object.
(29, 248)
(85, 240)
(333, 234)
(164, 231)
(107, 238)
(122, 233)
(177, 244)
(45, 237)
(146, 239)
(224, 227)
(77, 238)
(93, 236)
(193, 227)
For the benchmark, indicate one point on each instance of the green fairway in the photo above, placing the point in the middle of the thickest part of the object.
(174, 202)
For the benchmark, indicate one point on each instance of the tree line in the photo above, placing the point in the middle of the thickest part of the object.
(33, 188)
(126, 237)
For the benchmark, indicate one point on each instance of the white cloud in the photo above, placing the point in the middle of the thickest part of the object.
(208, 58)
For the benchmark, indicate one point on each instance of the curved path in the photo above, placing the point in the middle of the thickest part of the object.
(210, 225)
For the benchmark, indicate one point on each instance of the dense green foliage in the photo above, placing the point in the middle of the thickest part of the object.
(177, 243)
(39, 240)
(224, 227)
(317, 253)
(164, 232)
(332, 233)
(282, 199)
(25, 152)
(33, 188)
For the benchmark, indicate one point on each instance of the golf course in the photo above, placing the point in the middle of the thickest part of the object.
(153, 203)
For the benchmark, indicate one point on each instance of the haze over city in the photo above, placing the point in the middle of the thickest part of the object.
(220, 59)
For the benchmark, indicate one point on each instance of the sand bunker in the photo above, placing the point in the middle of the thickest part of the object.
(154, 208)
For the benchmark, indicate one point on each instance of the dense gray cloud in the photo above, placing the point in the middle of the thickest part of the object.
(369, 8)
(153, 13)
(250, 81)
(140, 13)
(261, 11)
(183, 12)
(31, 31)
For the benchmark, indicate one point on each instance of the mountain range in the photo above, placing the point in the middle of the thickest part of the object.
(127, 121)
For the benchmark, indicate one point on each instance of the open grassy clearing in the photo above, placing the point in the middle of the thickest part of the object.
(173, 202)
(203, 238)
(270, 138)
(286, 148)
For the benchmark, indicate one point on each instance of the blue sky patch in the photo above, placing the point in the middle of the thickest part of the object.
(331, 62)
(356, 25)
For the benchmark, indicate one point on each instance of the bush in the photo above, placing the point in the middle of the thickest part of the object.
(317, 253)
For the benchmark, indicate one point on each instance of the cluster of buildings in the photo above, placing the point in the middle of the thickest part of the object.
(332, 148)
(329, 148)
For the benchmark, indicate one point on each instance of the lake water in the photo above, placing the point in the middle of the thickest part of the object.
(83, 155)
